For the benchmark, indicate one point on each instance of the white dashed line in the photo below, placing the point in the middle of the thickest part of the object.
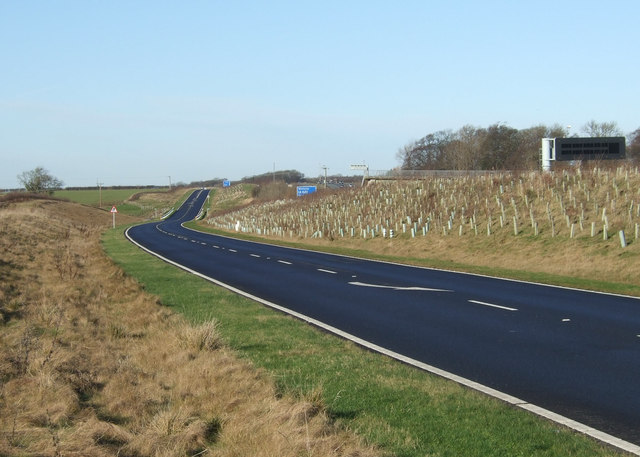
(492, 305)
(254, 255)
(285, 262)
(232, 250)
(328, 271)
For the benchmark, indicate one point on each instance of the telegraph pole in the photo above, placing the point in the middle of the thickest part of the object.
(325, 175)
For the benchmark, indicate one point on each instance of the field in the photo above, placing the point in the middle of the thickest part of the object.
(93, 197)
(144, 202)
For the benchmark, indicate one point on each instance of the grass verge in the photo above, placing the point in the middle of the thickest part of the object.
(405, 411)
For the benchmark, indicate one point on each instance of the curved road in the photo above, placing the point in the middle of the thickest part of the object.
(552, 350)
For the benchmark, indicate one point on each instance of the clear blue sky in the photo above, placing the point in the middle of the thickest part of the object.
(132, 92)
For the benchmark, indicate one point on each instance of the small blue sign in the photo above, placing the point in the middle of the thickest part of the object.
(226, 183)
(305, 190)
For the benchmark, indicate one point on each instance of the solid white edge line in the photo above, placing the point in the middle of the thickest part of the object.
(492, 305)
(570, 423)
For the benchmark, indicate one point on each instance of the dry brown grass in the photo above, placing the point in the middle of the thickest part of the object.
(92, 365)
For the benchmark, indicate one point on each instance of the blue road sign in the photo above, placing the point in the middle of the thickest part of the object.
(304, 190)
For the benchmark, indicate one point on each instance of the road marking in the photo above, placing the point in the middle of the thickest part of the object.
(566, 320)
(285, 262)
(381, 286)
(254, 255)
(328, 271)
(232, 250)
(492, 305)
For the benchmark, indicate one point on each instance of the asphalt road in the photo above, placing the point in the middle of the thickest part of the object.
(575, 353)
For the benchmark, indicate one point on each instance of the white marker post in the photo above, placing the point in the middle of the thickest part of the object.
(113, 212)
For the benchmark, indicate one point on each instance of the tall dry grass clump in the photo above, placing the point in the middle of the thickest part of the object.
(92, 365)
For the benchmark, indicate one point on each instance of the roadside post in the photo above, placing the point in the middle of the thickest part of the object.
(113, 212)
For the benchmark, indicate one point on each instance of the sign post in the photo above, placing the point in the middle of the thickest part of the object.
(364, 168)
(113, 212)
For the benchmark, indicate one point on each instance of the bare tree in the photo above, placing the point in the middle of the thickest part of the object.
(528, 155)
(410, 156)
(39, 180)
(600, 129)
(500, 147)
(465, 149)
(428, 153)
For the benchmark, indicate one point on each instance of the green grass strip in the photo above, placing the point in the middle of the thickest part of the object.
(405, 411)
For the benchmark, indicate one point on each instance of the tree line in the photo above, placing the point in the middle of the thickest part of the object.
(497, 147)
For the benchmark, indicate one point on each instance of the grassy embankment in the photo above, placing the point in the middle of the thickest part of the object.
(559, 228)
(406, 411)
(91, 364)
